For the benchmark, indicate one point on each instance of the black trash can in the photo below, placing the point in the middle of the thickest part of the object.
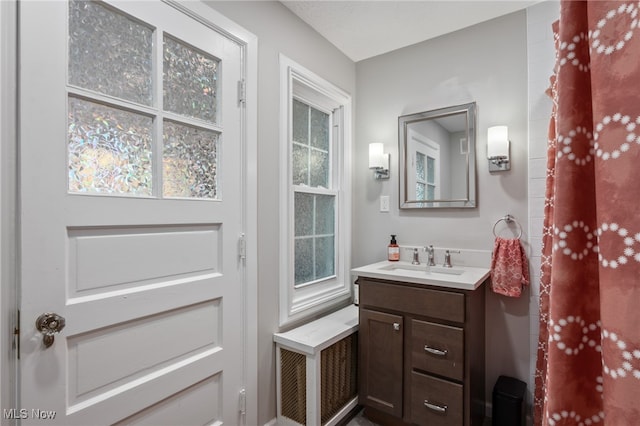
(508, 402)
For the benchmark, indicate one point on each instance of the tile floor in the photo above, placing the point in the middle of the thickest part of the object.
(360, 420)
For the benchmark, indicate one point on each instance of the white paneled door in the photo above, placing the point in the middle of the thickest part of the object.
(131, 203)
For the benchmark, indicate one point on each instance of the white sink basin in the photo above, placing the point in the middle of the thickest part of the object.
(461, 277)
(427, 269)
(402, 265)
(446, 270)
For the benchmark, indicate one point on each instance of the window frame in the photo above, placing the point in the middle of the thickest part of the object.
(330, 191)
(420, 144)
(301, 301)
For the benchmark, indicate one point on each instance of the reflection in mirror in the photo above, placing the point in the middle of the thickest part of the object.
(437, 158)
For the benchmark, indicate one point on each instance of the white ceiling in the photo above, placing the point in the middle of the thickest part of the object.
(366, 28)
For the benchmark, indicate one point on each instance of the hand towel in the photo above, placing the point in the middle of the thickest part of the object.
(509, 267)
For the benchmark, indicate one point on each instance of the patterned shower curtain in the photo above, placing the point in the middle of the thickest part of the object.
(588, 366)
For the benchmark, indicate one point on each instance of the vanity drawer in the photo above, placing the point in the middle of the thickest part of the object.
(446, 305)
(436, 402)
(438, 349)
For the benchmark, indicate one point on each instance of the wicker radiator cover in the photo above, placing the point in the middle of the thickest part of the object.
(338, 384)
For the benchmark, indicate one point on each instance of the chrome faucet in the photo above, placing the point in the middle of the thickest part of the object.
(447, 257)
(416, 257)
(431, 261)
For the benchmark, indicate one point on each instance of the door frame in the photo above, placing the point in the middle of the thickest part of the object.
(8, 203)
(9, 190)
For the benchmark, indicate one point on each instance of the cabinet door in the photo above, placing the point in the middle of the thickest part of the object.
(436, 402)
(381, 361)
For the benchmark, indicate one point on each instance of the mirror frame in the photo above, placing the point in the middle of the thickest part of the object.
(470, 201)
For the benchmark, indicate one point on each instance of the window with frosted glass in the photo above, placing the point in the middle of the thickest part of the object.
(189, 161)
(190, 79)
(310, 150)
(314, 214)
(109, 52)
(109, 150)
(425, 177)
(314, 230)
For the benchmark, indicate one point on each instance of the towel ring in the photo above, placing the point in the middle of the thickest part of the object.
(508, 219)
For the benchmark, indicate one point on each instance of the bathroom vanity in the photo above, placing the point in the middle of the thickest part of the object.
(422, 344)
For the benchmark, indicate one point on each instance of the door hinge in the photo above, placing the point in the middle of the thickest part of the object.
(242, 402)
(16, 334)
(242, 92)
(242, 247)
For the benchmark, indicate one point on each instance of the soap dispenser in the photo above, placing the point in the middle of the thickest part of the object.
(393, 250)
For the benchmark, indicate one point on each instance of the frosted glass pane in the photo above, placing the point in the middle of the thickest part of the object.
(319, 129)
(190, 79)
(300, 165)
(325, 214)
(303, 261)
(189, 162)
(420, 175)
(324, 259)
(431, 192)
(310, 157)
(300, 122)
(109, 150)
(109, 52)
(319, 169)
(431, 169)
(420, 188)
(303, 205)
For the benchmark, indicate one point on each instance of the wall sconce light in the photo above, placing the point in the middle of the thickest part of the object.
(378, 161)
(498, 148)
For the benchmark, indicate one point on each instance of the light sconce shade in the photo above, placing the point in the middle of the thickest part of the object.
(378, 161)
(498, 148)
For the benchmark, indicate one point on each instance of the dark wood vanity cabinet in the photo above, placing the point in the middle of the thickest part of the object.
(421, 354)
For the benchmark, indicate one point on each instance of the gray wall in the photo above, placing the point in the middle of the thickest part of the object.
(486, 63)
(278, 31)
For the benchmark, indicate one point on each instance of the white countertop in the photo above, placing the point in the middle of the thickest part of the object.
(311, 338)
(469, 277)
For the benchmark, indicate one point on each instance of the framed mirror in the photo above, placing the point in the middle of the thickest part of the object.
(437, 158)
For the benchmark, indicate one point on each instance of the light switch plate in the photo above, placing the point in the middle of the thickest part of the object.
(384, 203)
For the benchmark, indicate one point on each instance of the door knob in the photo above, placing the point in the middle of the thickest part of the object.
(49, 324)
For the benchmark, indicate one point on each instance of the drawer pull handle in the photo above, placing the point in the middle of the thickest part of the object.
(435, 407)
(396, 326)
(435, 351)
